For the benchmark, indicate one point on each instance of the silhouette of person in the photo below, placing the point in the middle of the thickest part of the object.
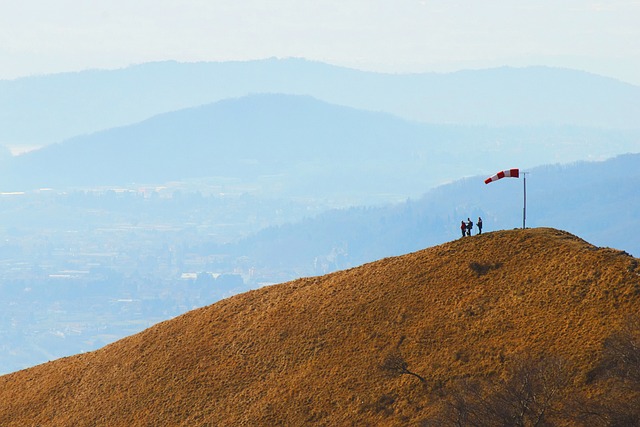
(469, 226)
(463, 228)
(479, 224)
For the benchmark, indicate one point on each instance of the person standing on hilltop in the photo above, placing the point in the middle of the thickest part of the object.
(469, 226)
(479, 224)
(463, 228)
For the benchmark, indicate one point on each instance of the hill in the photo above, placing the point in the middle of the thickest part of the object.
(41, 110)
(409, 340)
(287, 145)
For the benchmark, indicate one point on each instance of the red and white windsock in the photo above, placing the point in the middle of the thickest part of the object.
(509, 173)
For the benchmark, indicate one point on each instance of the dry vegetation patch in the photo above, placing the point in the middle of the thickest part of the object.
(409, 340)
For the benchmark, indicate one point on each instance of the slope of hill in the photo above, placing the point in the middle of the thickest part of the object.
(381, 344)
(46, 109)
(301, 146)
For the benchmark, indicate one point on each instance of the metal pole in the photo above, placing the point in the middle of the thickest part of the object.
(524, 209)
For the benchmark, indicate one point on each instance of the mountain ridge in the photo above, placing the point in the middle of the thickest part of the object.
(582, 198)
(46, 109)
(314, 350)
(319, 147)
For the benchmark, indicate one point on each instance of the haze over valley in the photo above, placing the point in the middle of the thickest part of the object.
(164, 187)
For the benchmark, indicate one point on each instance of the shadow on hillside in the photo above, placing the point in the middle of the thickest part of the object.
(482, 269)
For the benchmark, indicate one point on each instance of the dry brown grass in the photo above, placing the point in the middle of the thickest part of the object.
(310, 351)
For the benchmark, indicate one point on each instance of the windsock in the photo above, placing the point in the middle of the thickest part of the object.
(509, 173)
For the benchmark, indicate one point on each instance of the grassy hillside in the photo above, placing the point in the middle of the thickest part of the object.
(401, 341)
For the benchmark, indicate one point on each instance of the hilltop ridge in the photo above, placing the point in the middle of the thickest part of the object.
(316, 350)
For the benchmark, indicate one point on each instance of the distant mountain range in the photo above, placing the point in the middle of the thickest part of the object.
(298, 146)
(45, 109)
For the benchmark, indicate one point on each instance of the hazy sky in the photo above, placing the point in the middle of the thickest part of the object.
(43, 36)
